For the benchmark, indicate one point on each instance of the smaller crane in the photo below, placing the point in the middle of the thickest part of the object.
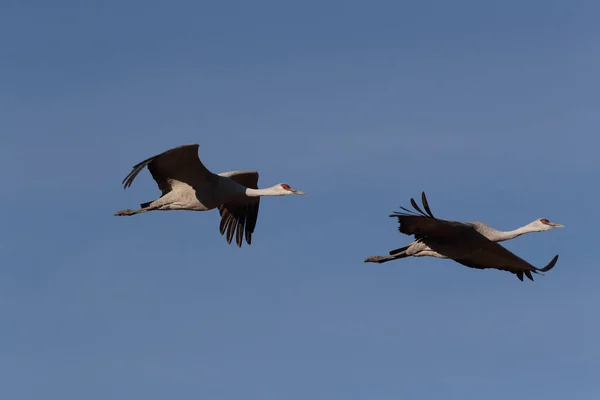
(473, 244)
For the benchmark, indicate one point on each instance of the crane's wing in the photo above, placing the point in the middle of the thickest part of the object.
(180, 164)
(421, 224)
(240, 218)
(493, 255)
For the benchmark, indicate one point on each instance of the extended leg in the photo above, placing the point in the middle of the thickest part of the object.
(131, 212)
(382, 259)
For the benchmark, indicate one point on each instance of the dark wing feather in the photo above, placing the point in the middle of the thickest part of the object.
(422, 227)
(239, 219)
(424, 224)
(508, 261)
(426, 205)
(178, 164)
(420, 212)
(474, 250)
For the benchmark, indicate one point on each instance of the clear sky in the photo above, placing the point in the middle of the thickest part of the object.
(489, 107)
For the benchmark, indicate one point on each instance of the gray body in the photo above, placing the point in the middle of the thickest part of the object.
(204, 196)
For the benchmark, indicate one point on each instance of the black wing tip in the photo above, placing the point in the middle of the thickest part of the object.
(419, 213)
(520, 275)
(550, 265)
(125, 182)
(416, 206)
(528, 274)
(426, 205)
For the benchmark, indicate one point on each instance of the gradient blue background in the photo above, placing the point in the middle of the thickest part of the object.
(490, 107)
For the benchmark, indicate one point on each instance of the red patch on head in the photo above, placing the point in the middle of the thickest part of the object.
(544, 221)
(285, 186)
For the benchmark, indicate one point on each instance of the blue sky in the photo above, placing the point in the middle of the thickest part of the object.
(490, 107)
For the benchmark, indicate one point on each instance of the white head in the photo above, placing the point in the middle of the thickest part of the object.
(283, 189)
(543, 224)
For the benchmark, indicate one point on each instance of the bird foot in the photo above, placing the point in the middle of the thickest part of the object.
(124, 212)
(376, 259)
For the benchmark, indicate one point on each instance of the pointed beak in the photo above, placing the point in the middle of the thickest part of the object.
(297, 191)
(552, 224)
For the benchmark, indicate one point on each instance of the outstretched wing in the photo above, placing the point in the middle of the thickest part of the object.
(493, 255)
(240, 218)
(180, 164)
(422, 224)
(474, 250)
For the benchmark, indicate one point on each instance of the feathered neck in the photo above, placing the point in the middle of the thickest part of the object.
(270, 191)
(507, 235)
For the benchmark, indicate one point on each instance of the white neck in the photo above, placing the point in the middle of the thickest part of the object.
(507, 235)
(271, 191)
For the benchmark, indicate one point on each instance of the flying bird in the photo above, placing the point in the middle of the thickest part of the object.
(186, 184)
(473, 244)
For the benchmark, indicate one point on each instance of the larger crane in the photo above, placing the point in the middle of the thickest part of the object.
(473, 244)
(186, 184)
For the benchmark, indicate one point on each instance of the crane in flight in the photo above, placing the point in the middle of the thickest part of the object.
(186, 184)
(473, 244)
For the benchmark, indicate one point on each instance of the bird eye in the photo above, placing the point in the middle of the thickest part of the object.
(285, 186)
